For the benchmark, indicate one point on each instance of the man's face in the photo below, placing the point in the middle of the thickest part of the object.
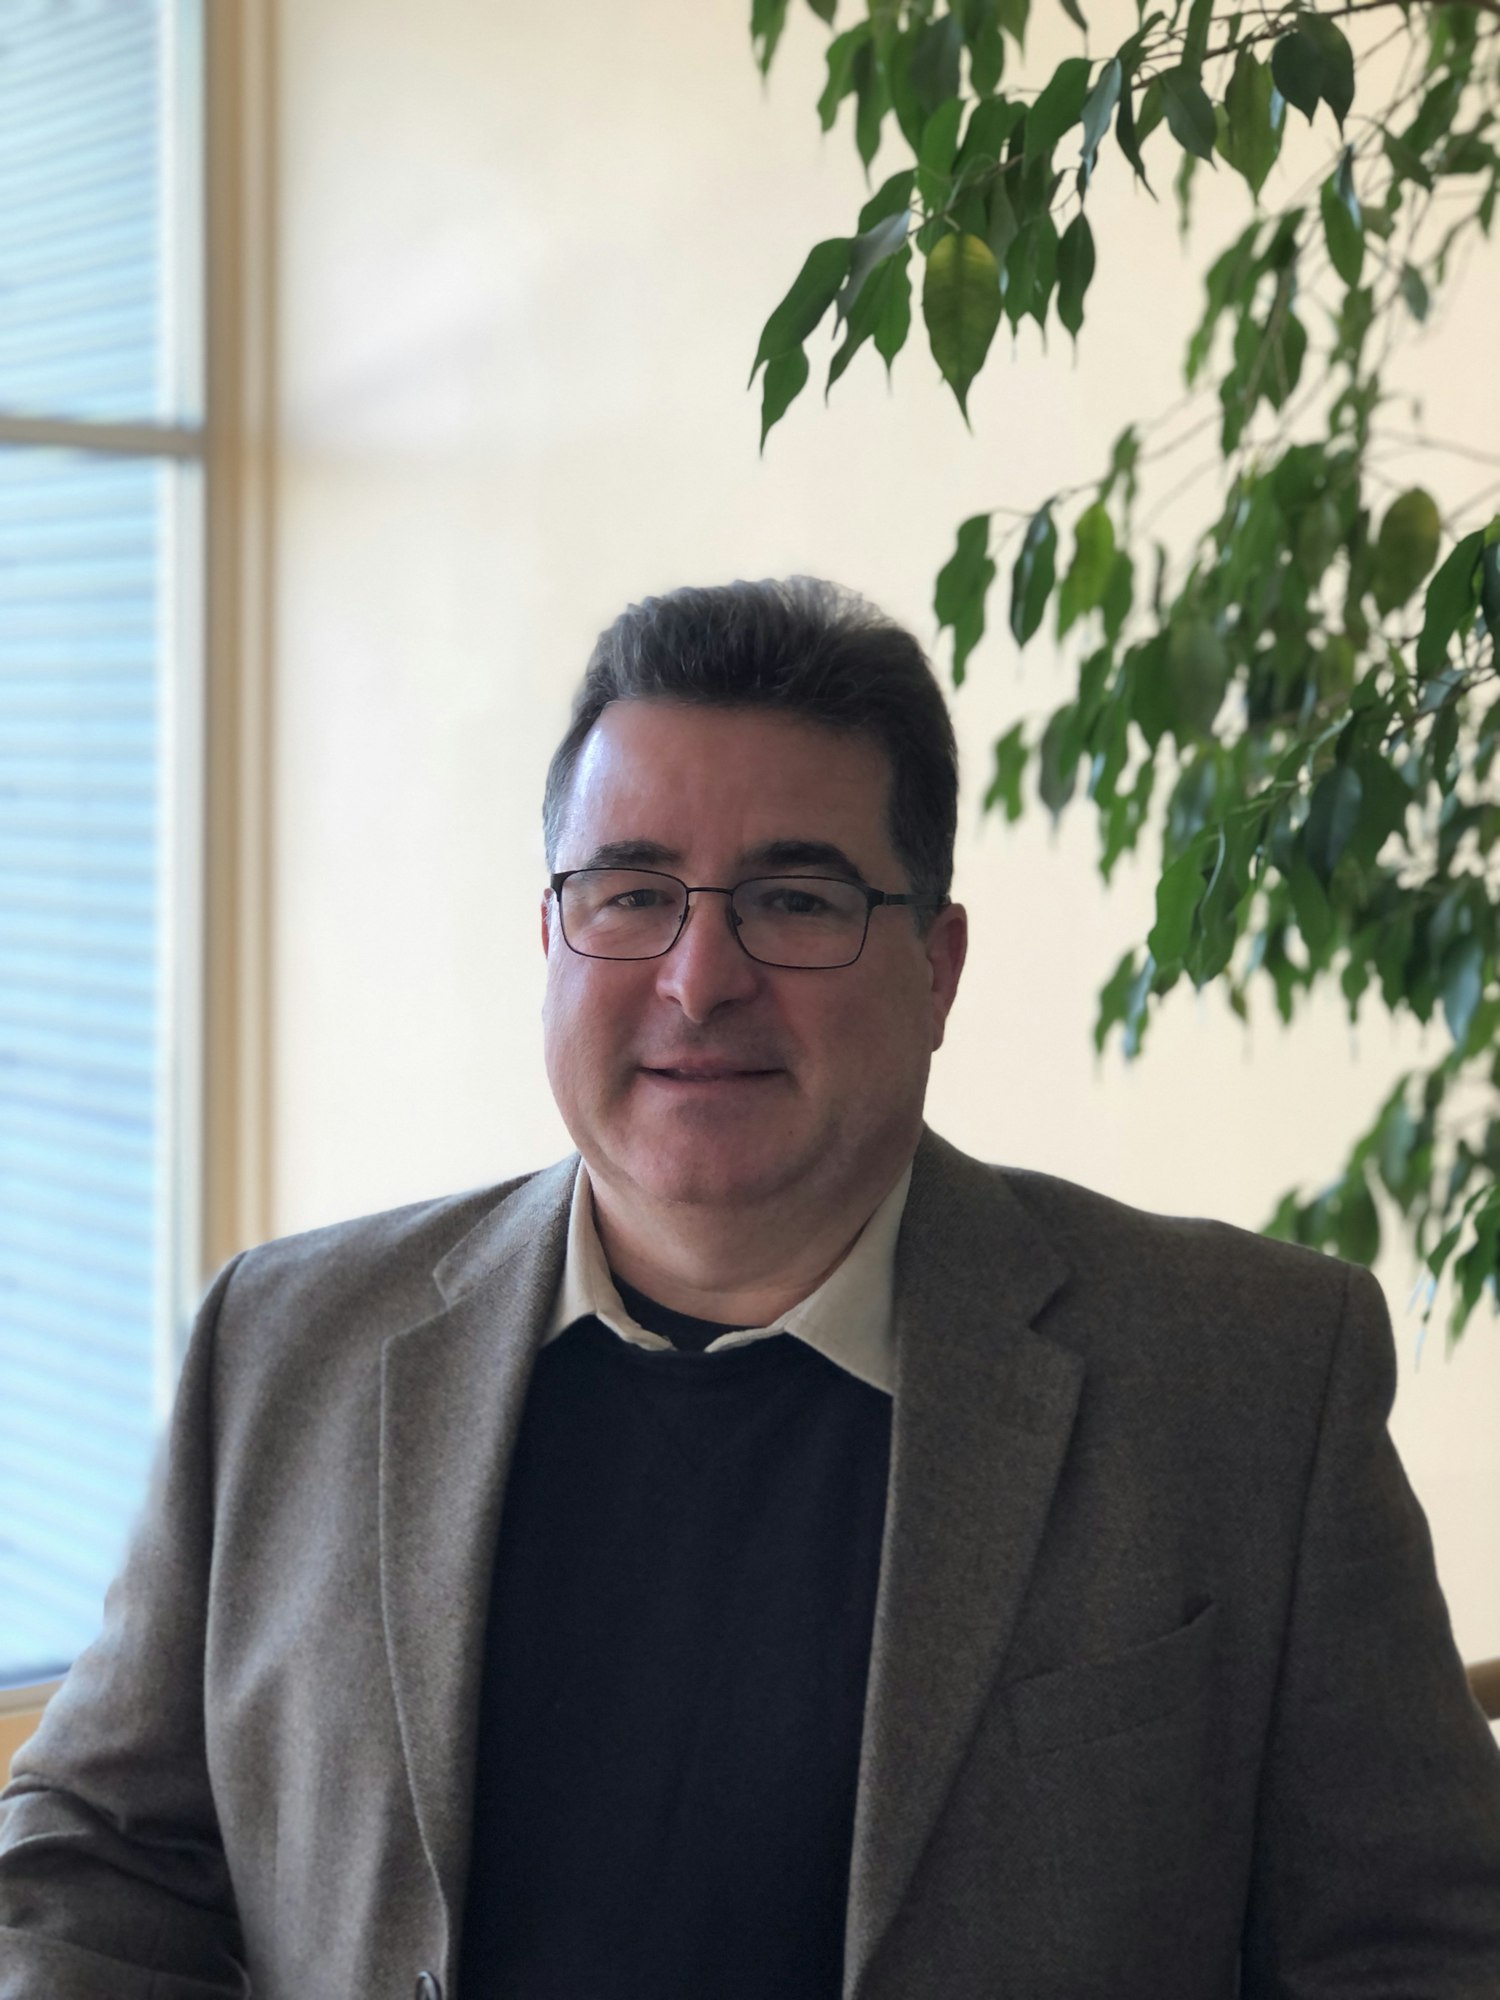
(703, 1077)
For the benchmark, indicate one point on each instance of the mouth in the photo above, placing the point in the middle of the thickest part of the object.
(707, 1074)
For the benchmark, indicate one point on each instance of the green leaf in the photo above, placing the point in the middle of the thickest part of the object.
(1098, 109)
(1075, 14)
(1385, 799)
(1189, 112)
(1197, 676)
(1449, 601)
(1057, 760)
(1489, 588)
(1033, 576)
(841, 53)
(1152, 108)
(894, 322)
(1297, 72)
(1435, 117)
(896, 52)
(786, 377)
(872, 93)
(1003, 227)
(935, 159)
(812, 293)
(987, 58)
(1031, 270)
(935, 59)
(1332, 817)
(1314, 64)
(961, 305)
(1407, 163)
(1075, 271)
(767, 19)
(1059, 107)
(1310, 905)
(1231, 280)
(962, 584)
(1129, 138)
(1123, 998)
(1195, 41)
(1257, 119)
(825, 10)
(1119, 594)
(1357, 1228)
(1343, 225)
(1463, 985)
(870, 310)
(1414, 291)
(1178, 895)
(1406, 548)
(1092, 567)
(1012, 16)
(990, 126)
(1010, 766)
(892, 197)
(1151, 701)
(867, 253)
(1336, 63)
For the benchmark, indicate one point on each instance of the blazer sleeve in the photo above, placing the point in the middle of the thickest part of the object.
(113, 1880)
(1377, 1868)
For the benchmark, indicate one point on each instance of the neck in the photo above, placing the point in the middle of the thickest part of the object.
(745, 1268)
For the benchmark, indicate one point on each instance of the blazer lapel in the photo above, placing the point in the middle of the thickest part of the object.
(983, 1411)
(452, 1391)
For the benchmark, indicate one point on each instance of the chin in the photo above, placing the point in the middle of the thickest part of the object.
(719, 1175)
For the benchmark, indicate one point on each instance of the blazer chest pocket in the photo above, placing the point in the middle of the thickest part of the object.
(1102, 1698)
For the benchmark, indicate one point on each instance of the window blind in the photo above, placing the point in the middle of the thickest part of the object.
(87, 657)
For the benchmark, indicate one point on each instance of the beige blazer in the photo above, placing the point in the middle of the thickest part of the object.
(1163, 1703)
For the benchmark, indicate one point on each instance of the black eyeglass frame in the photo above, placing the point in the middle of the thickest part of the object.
(875, 899)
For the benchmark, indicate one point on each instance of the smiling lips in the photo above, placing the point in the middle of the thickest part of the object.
(709, 1072)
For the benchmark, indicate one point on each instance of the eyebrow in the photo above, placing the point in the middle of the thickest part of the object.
(773, 856)
(779, 855)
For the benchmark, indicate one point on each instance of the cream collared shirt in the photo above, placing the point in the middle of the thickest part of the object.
(849, 1319)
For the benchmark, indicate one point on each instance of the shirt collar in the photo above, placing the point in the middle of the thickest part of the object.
(849, 1319)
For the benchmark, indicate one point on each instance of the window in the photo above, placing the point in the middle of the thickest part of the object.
(101, 511)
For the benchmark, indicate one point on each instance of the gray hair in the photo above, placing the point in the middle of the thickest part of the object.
(809, 649)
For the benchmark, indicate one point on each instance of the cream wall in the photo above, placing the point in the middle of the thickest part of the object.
(524, 258)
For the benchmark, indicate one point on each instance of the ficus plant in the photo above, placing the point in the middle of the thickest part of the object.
(1301, 705)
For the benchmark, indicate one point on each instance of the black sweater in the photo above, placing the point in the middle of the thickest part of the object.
(674, 1676)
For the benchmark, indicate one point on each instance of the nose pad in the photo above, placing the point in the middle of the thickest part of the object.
(731, 914)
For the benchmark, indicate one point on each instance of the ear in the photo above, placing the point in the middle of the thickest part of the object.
(947, 946)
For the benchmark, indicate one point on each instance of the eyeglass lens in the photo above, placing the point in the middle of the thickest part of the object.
(793, 920)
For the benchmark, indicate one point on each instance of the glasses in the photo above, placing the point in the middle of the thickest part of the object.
(801, 922)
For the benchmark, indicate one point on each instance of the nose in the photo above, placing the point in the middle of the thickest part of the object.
(706, 969)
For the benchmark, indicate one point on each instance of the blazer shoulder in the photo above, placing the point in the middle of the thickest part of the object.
(374, 1271)
(1103, 1234)
(1133, 1268)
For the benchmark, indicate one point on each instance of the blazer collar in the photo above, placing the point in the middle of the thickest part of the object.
(983, 1411)
(452, 1391)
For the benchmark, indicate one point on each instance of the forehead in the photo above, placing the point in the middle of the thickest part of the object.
(690, 778)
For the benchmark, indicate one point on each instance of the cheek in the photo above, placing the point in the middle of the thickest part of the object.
(586, 1020)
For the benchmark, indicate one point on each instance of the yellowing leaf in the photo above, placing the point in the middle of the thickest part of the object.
(1406, 547)
(961, 305)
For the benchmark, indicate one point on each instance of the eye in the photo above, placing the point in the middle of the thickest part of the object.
(796, 902)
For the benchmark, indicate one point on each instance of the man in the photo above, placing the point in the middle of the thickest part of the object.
(775, 1556)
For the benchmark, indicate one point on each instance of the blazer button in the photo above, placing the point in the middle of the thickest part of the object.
(427, 1987)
